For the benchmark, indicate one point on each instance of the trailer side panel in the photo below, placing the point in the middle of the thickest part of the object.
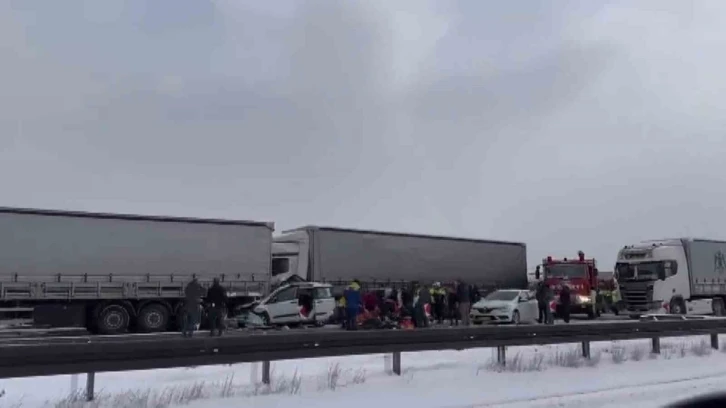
(347, 254)
(707, 262)
(36, 246)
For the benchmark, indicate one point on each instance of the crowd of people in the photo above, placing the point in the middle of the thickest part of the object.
(419, 305)
(414, 306)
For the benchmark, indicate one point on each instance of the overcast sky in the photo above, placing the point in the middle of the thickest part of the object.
(568, 125)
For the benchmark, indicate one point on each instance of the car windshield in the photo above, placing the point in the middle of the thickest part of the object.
(566, 271)
(502, 295)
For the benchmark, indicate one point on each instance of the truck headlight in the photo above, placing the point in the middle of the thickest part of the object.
(584, 299)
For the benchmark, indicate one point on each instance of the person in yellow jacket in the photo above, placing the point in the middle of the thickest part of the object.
(438, 300)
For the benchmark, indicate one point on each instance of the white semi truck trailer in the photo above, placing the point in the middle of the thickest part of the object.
(678, 276)
(117, 273)
(376, 258)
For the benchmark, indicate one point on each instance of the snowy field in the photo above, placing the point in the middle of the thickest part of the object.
(620, 374)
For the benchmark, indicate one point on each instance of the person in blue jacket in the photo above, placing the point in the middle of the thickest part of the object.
(352, 305)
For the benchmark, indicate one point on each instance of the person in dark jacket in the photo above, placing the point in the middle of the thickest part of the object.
(438, 297)
(424, 298)
(474, 295)
(406, 302)
(217, 299)
(453, 303)
(193, 294)
(542, 303)
(352, 305)
(464, 295)
(565, 302)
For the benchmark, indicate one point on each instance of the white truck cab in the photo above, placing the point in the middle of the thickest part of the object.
(674, 276)
(290, 258)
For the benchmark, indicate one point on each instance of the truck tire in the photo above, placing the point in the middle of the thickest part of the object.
(153, 318)
(112, 319)
(678, 306)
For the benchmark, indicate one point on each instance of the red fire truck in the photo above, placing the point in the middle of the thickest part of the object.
(580, 274)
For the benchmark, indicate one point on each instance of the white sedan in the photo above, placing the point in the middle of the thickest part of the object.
(505, 306)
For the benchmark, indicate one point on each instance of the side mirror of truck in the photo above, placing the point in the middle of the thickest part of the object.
(661, 274)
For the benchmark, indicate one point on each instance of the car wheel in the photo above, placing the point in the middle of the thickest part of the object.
(516, 317)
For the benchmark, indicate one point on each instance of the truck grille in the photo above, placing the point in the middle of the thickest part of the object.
(637, 294)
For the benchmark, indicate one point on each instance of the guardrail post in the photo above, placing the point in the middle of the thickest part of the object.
(266, 372)
(502, 355)
(714, 341)
(656, 345)
(586, 349)
(90, 384)
(397, 362)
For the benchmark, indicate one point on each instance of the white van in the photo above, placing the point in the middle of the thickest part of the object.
(297, 303)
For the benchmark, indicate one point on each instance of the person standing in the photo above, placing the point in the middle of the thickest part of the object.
(352, 305)
(542, 303)
(464, 295)
(193, 294)
(453, 302)
(438, 297)
(217, 299)
(565, 302)
(424, 298)
(549, 311)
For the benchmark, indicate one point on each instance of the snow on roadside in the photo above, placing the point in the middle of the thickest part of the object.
(651, 382)
(637, 394)
(428, 377)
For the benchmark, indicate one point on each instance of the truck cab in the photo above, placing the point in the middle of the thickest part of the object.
(580, 274)
(290, 258)
(653, 277)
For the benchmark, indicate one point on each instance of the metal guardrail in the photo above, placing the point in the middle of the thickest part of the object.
(69, 356)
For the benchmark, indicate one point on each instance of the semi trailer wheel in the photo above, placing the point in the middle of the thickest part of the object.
(112, 319)
(153, 318)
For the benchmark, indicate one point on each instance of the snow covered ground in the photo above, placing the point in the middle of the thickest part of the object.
(621, 374)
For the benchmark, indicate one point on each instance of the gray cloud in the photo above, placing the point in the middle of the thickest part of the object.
(565, 125)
